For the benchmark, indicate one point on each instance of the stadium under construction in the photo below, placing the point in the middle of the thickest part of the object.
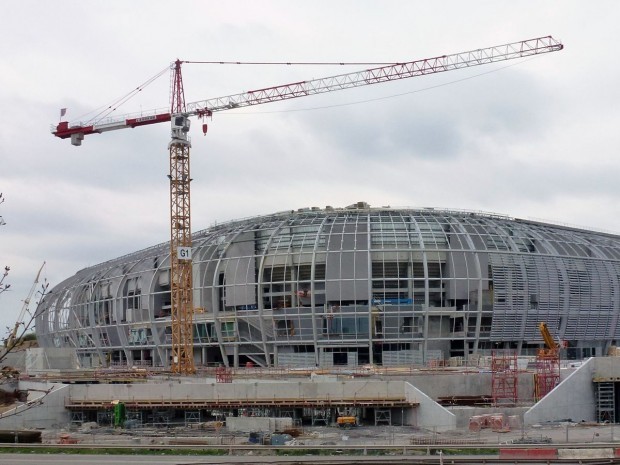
(354, 286)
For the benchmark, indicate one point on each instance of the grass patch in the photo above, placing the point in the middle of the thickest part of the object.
(108, 451)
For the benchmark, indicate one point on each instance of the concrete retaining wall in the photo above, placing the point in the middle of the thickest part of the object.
(429, 415)
(584, 454)
(262, 424)
(50, 413)
(572, 399)
(533, 453)
(220, 391)
(463, 414)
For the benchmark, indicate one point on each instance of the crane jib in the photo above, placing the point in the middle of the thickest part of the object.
(403, 70)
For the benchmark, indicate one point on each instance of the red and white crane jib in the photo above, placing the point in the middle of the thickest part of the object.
(397, 71)
(382, 74)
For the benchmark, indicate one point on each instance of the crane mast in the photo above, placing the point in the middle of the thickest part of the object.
(181, 281)
(181, 284)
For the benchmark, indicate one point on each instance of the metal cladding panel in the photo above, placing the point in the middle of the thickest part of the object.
(346, 265)
(575, 296)
(240, 273)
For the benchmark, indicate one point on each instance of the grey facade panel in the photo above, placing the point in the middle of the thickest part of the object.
(240, 274)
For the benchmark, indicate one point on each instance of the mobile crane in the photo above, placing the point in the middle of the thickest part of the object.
(179, 149)
(547, 364)
(11, 339)
(551, 347)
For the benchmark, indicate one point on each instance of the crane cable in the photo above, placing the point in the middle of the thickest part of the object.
(295, 63)
(386, 97)
(105, 110)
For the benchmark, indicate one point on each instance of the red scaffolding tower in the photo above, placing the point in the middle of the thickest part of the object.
(547, 372)
(504, 377)
(547, 364)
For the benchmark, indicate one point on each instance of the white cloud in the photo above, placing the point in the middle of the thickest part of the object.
(538, 139)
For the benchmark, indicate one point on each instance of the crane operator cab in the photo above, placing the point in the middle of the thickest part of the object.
(180, 128)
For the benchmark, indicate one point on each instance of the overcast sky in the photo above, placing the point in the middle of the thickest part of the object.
(536, 139)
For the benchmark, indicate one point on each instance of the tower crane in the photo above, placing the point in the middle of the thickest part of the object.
(179, 149)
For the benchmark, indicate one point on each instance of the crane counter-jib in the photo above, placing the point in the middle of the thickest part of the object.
(64, 129)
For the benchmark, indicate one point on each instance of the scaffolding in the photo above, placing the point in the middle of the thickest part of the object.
(192, 416)
(77, 418)
(321, 416)
(133, 417)
(504, 377)
(383, 417)
(105, 418)
(223, 375)
(547, 372)
(605, 402)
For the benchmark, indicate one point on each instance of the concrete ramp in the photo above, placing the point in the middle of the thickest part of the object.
(572, 399)
(429, 414)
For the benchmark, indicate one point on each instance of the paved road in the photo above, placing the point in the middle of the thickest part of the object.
(66, 459)
(61, 459)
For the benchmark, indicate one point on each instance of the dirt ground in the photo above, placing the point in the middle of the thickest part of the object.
(560, 433)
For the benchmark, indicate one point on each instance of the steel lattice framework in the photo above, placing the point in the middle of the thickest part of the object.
(381, 74)
(526, 48)
(181, 285)
(180, 262)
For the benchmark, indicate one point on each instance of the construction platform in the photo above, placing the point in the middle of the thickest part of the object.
(392, 402)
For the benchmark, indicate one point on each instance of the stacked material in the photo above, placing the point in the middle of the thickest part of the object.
(495, 421)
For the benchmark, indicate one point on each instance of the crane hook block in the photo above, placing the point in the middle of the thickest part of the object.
(205, 126)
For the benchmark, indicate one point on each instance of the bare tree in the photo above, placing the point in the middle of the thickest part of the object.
(15, 335)
(3, 286)
(25, 322)
(27, 318)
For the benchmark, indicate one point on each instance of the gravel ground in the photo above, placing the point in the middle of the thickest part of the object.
(559, 434)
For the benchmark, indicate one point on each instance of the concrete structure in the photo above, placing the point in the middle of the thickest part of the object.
(408, 400)
(579, 397)
(396, 401)
(45, 407)
(349, 286)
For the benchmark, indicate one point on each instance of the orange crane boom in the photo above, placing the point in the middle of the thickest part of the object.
(546, 335)
(179, 148)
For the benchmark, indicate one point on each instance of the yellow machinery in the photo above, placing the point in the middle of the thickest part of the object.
(551, 347)
(547, 364)
(346, 422)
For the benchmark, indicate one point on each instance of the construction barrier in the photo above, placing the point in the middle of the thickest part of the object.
(584, 454)
(533, 453)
